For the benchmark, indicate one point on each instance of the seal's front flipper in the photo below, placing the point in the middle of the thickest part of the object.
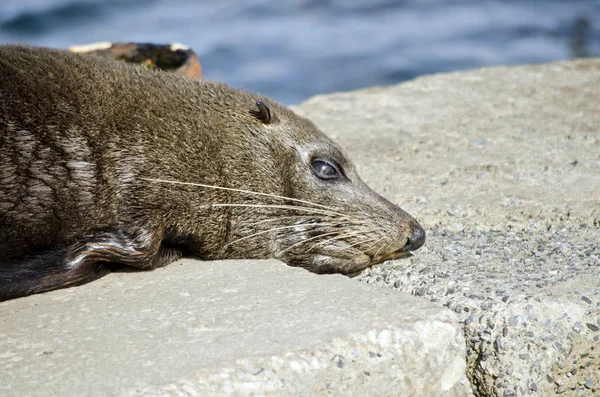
(86, 260)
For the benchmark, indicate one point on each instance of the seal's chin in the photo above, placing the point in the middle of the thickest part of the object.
(395, 255)
(388, 257)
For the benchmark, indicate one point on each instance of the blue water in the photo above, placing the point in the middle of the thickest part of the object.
(292, 49)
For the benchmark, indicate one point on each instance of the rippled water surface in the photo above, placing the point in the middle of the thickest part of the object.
(292, 49)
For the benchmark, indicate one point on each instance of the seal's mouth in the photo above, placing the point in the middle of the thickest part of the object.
(402, 252)
(390, 256)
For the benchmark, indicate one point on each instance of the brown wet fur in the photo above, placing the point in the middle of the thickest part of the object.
(83, 142)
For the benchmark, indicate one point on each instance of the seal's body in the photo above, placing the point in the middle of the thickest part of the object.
(105, 164)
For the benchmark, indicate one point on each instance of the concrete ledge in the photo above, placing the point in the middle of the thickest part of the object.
(502, 167)
(231, 327)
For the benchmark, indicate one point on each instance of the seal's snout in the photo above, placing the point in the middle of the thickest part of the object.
(416, 239)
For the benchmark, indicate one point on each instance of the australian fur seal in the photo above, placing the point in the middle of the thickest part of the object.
(105, 164)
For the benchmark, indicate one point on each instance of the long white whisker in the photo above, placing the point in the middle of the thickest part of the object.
(360, 242)
(290, 207)
(380, 248)
(280, 218)
(305, 241)
(374, 244)
(239, 191)
(277, 228)
(340, 237)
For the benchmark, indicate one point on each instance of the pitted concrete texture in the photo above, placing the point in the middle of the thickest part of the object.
(229, 328)
(502, 168)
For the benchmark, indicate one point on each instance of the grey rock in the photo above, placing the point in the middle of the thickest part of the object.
(502, 167)
(229, 328)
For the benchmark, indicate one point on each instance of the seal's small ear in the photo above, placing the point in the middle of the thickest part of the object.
(263, 113)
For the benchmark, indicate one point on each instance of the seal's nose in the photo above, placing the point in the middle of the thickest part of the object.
(416, 239)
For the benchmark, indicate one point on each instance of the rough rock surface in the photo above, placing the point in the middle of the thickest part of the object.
(502, 167)
(229, 328)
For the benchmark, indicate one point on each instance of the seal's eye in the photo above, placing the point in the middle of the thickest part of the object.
(324, 170)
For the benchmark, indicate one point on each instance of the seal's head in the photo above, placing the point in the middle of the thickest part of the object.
(314, 211)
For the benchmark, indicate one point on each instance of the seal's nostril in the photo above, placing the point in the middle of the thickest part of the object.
(416, 239)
